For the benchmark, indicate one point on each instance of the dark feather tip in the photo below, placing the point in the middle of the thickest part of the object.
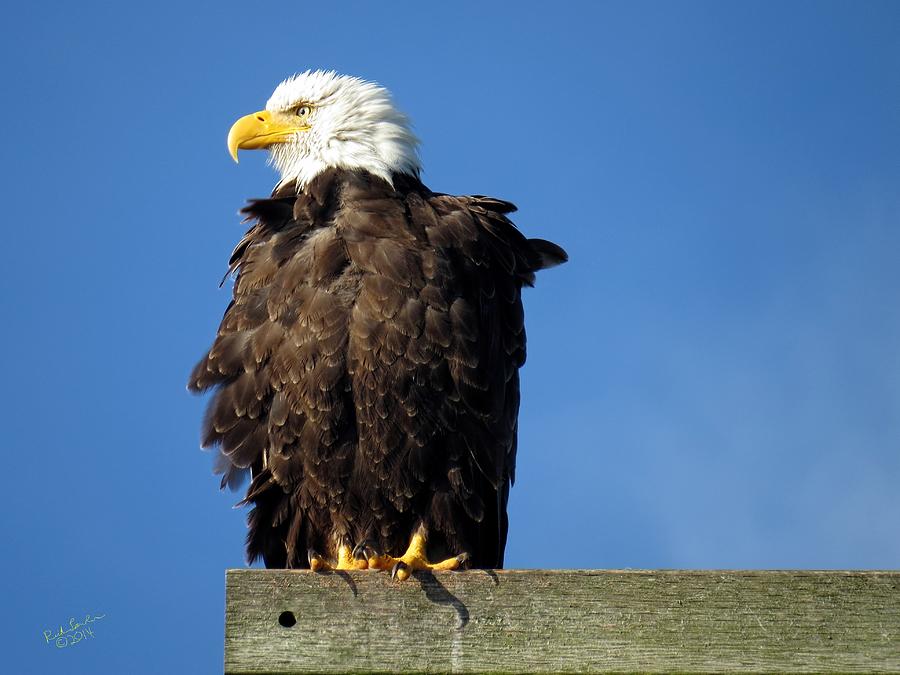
(550, 254)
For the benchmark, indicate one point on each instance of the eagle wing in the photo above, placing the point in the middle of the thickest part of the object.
(483, 261)
(281, 408)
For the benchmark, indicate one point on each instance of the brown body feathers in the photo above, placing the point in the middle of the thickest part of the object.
(366, 370)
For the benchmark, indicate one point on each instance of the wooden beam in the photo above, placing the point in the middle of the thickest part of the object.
(541, 621)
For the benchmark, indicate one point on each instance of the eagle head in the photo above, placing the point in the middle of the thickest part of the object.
(320, 120)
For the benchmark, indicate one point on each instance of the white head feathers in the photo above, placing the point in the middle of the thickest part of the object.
(353, 125)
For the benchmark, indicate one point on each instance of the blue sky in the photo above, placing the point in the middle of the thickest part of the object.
(713, 380)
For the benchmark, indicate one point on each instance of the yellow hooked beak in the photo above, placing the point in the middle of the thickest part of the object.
(260, 130)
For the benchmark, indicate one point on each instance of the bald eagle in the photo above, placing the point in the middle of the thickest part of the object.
(365, 373)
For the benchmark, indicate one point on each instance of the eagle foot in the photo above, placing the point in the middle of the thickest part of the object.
(413, 560)
(345, 561)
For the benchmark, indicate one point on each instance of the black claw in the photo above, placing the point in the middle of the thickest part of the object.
(363, 551)
(397, 566)
(311, 555)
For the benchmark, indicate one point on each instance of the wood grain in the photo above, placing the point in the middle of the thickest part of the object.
(542, 621)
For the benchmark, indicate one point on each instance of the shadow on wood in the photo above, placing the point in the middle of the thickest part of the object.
(541, 621)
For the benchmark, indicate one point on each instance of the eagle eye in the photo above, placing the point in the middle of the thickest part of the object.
(303, 110)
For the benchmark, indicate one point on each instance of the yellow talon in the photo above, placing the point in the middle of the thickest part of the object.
(414, 559)
(345, 561)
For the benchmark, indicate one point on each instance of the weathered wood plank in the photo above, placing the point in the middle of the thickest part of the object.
(537, 621)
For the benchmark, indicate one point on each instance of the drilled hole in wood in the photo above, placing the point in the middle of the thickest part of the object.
(287, 619)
